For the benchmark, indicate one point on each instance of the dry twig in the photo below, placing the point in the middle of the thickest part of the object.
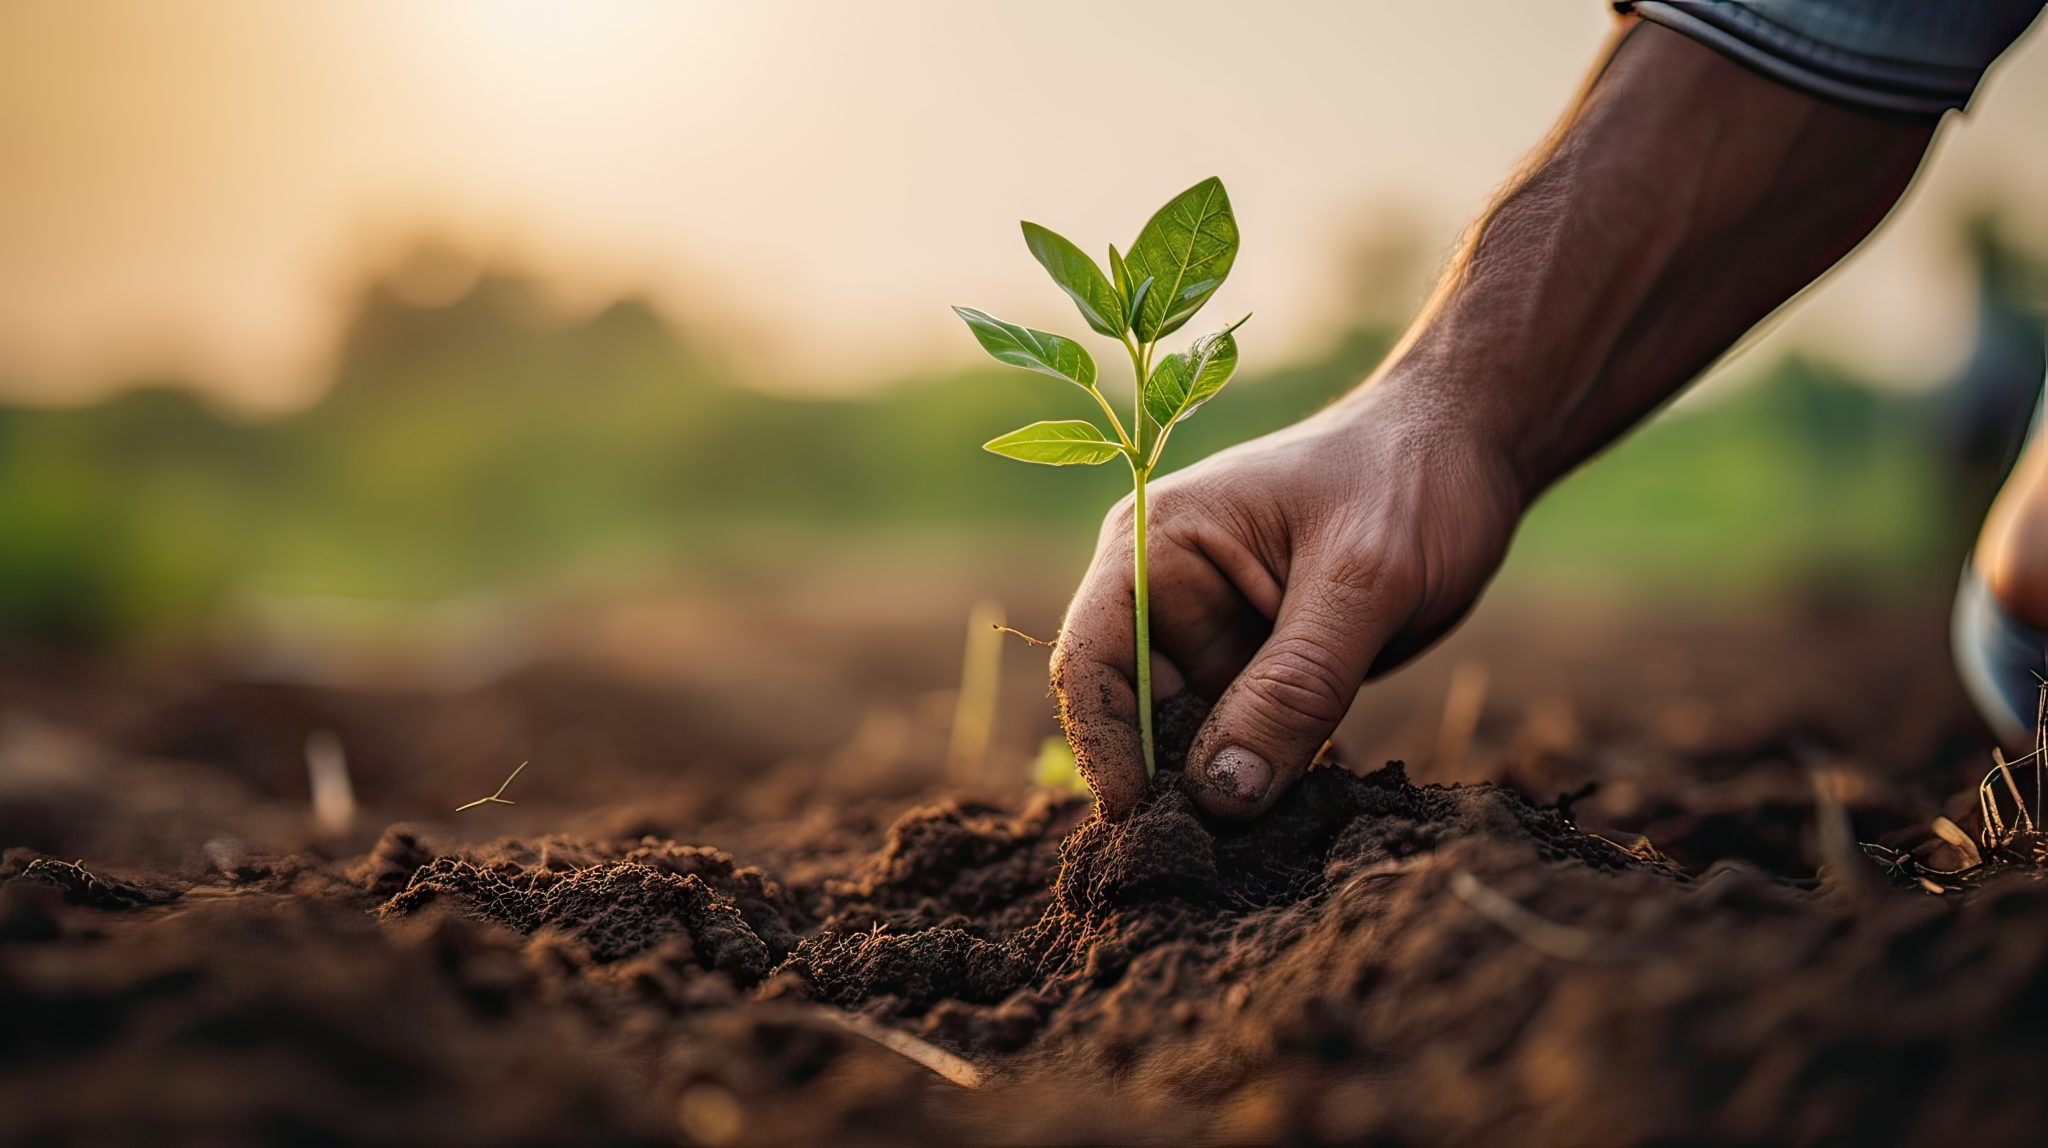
(333, 795)
(1952, 833)
(1041, 643)
(1464, 701)
(498, 797)
(1849, 864)
(2002, 842)
(1565, 942)
(954, 1068)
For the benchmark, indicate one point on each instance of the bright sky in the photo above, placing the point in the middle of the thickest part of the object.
(195, 187)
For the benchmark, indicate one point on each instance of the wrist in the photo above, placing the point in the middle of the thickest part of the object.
(1437, 410)
(1420, 418)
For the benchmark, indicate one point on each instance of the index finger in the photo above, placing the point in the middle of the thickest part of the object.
(1094, 667)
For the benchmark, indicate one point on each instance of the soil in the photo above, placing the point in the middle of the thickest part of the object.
(1382, 959)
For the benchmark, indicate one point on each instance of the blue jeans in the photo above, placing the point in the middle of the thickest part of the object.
(1910, 57)
(2001, 660)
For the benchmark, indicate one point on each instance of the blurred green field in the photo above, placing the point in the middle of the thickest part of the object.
(472, 446)
(1806, 479)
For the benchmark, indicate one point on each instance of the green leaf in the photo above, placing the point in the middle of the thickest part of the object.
(1187, 248)
(1138, 299)
(1119, 273)
(1065, 442)
(1079, 277)
(1185, 380)
(1062, 358)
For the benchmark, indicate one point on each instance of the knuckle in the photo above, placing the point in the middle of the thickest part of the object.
(1397, 566)
(1299, 677)
(1124, 511)
(1172, 500)
(1180, 513)
(1117, 524)
(1367, 573)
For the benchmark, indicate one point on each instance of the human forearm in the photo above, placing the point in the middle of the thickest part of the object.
(1682, 200)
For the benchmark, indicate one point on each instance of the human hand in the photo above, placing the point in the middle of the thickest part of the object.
(1283, 572)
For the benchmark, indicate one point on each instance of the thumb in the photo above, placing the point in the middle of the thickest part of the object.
(1273, 720)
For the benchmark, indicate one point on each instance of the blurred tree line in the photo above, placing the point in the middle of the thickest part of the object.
(472, 444)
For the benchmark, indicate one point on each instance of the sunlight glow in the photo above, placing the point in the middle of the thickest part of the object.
(746, 163)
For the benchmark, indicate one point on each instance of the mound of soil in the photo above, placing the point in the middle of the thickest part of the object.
(1376, 961)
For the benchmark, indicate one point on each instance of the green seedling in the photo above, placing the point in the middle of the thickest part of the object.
(1179, 260)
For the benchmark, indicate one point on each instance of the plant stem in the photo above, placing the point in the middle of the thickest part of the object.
(1115, 423)
(1141, 469)
(1139, 472)
(1138, 373)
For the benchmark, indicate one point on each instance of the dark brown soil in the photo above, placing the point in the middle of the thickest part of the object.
(1377, 961)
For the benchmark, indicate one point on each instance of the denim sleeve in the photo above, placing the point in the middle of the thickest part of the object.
(1916, 57)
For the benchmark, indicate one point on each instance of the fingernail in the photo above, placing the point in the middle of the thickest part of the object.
(1240, 773)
